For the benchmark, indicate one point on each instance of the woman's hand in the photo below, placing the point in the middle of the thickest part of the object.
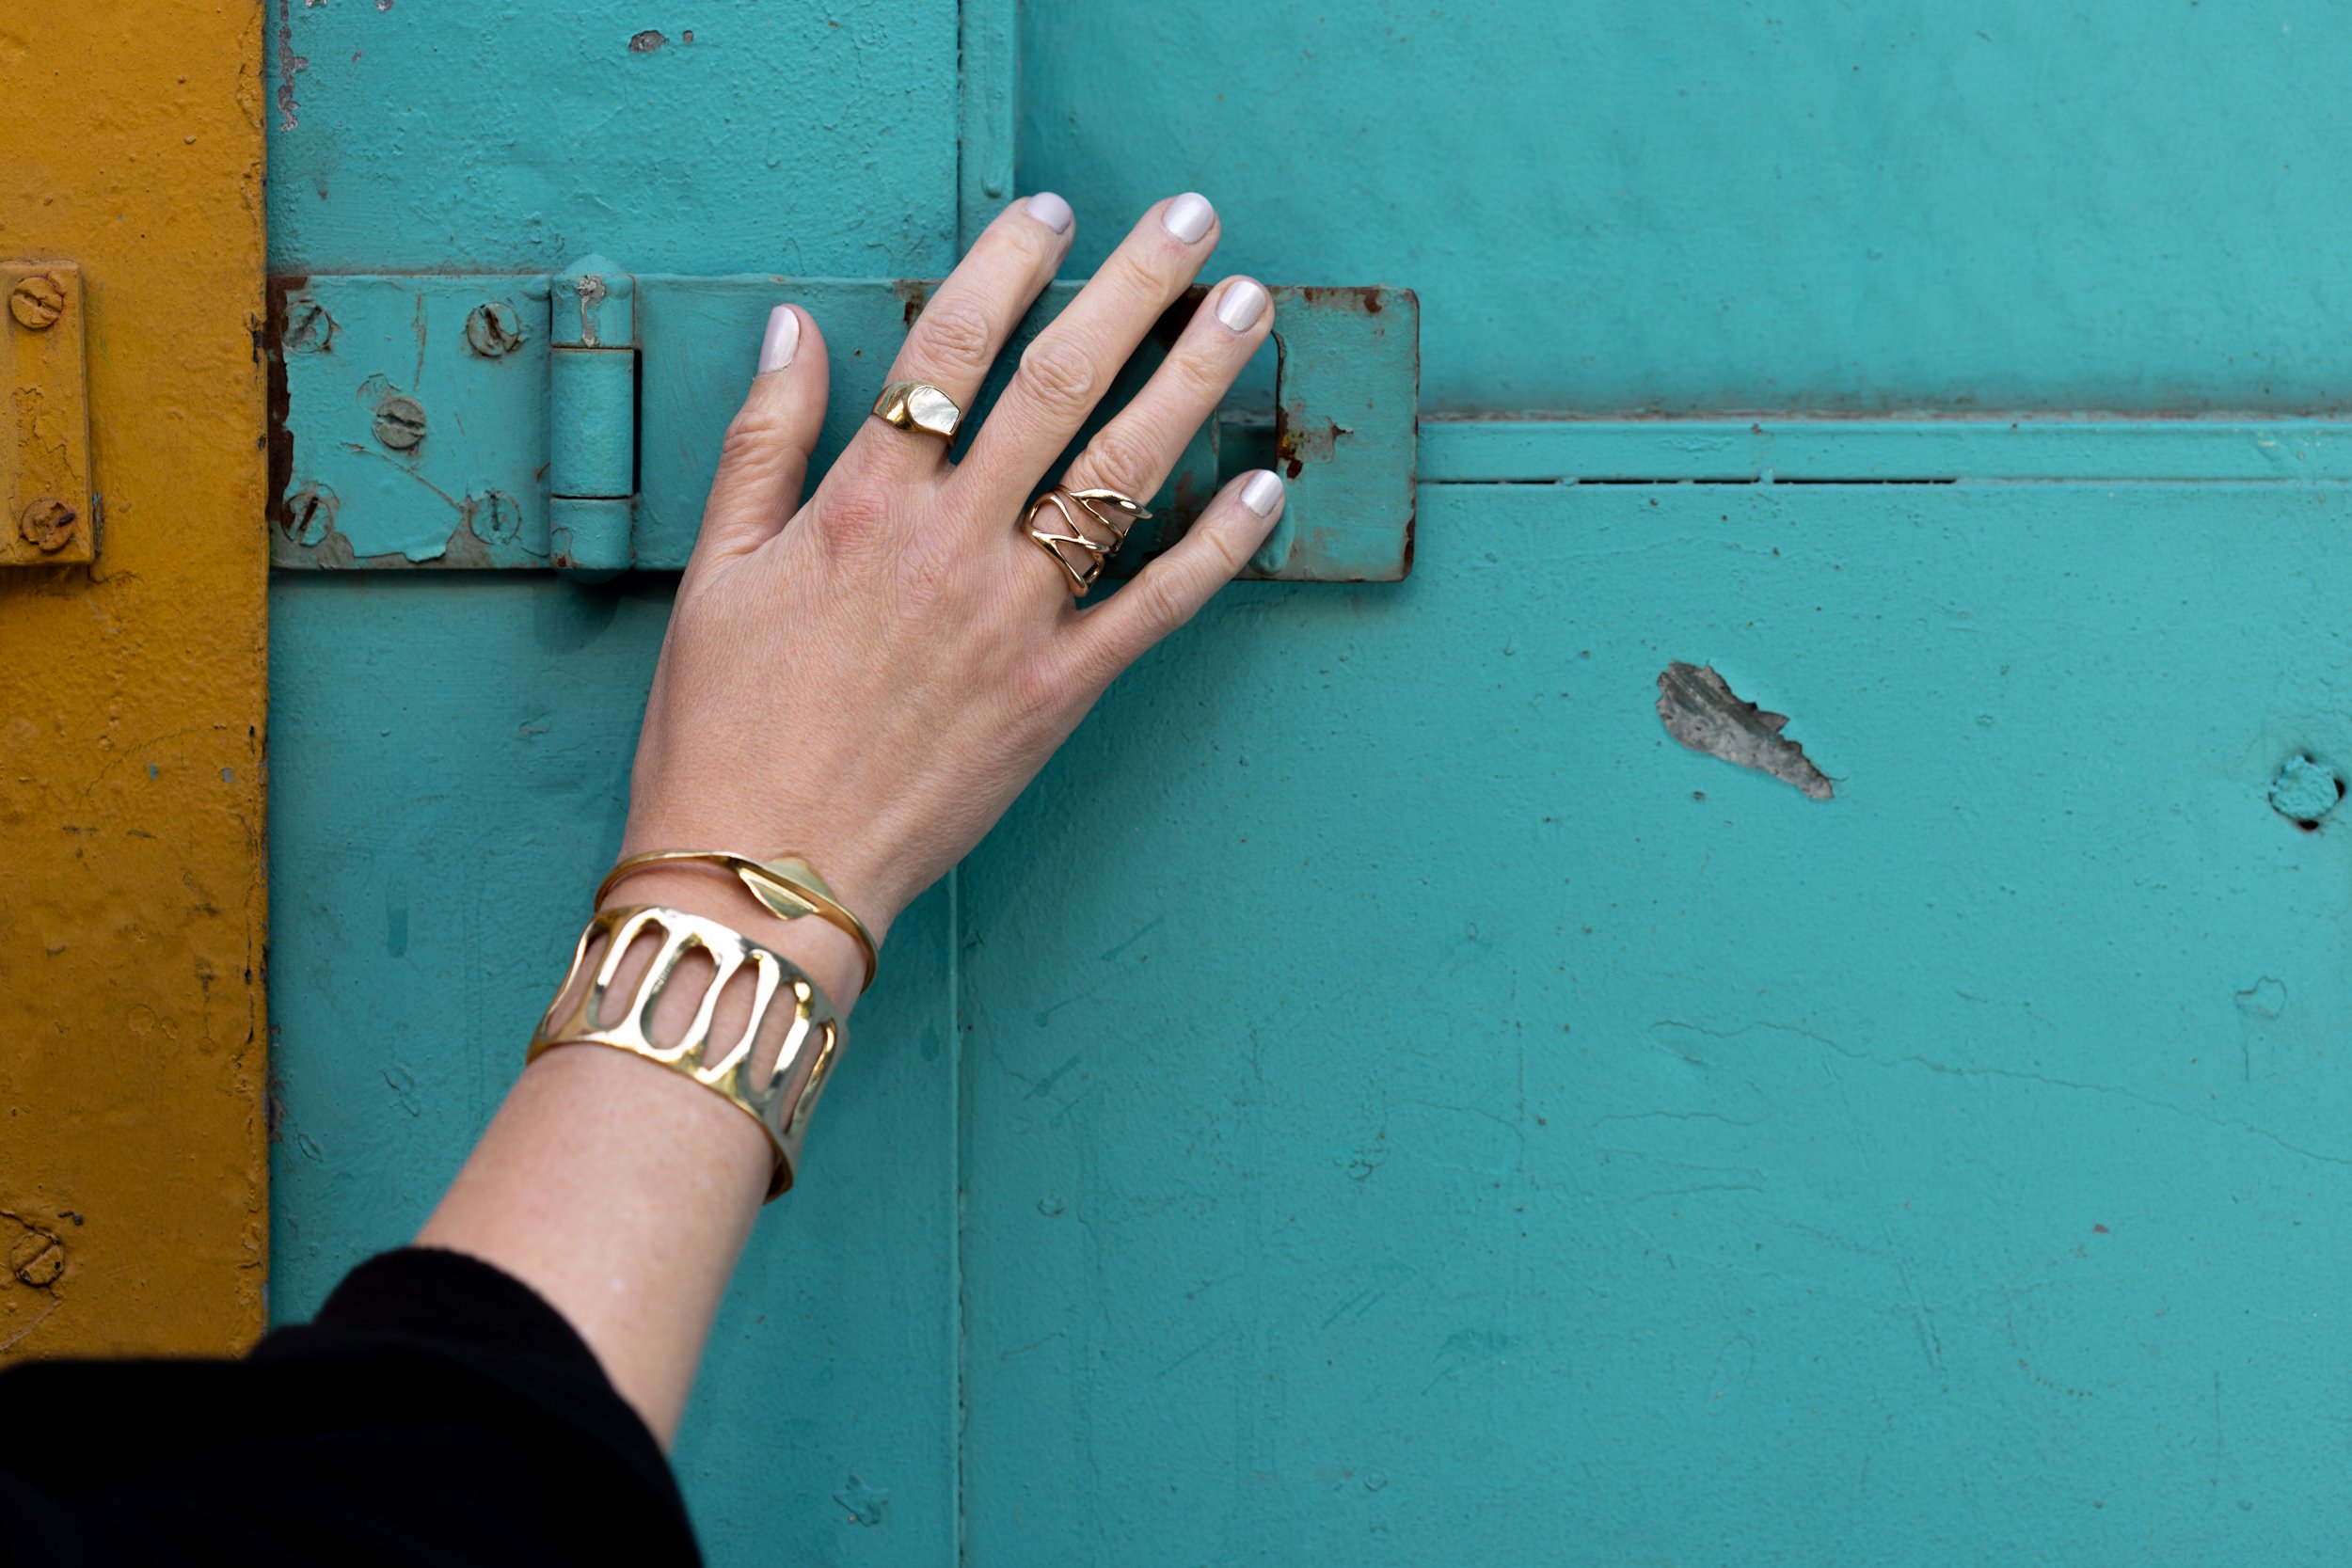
(867, 679)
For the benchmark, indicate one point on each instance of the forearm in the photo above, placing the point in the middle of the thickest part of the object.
(623, 1191)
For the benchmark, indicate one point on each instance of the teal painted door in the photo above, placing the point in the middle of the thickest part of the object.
(1379, 1098)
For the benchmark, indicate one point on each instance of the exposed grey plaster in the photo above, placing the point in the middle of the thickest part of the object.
(1705, 715)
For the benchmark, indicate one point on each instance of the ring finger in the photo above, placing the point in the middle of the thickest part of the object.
(962, 326)
(1137, 450)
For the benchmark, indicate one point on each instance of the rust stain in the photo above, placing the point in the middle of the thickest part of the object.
(281, 290)
(913, 294)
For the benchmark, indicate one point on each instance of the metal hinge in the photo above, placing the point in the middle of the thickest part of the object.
(574, 422)
(44, 459)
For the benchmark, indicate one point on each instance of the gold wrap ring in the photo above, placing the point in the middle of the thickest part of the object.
(787, 886)
(1114, 512)
(919, 406)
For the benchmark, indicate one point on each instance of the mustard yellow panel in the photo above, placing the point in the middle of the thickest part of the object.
(132, 1061)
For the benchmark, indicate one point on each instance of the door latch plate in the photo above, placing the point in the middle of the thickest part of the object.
(414, 425)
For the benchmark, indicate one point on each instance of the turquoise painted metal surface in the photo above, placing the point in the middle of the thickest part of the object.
(1379, 1099)
(450, 750)
(1445, 1120)
(1863, 206)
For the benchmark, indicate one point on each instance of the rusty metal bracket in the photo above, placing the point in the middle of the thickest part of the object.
(412, 417)
(44, 461)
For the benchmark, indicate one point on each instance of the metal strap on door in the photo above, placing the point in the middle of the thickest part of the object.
(572, 422)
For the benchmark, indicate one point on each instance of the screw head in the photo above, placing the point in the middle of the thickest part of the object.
(310, 515)
(47, 524)
(38, 302)
(493, 331)
(495, 518)
(41, 1269)
(400, 422)
(309, 328)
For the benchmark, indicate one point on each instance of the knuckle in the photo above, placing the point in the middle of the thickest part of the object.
(1166, 606)
(1138, 274)
(756, 437)
(1058, 375)
(1041, 683)
(852, 515)
(1123, 458)
(1200, 380)
(957, 336)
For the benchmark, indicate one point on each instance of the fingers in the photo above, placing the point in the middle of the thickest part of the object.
(1133, 454)
(1163, 595)
(765, 458)
(966, 323)
(1064, 371)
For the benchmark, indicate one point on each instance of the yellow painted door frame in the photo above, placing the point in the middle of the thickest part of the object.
(133, 1051)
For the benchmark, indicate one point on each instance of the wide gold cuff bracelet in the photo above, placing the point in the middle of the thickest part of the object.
(784, 1000)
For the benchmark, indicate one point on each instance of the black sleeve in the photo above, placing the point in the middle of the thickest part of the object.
(438, 1411)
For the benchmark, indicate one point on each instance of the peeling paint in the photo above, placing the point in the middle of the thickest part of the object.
(1703, 712)
(288, 64)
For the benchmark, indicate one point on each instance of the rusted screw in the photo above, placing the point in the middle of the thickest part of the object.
(495, 518)
(310, 514)
(38, 302)
(400, 422)
(492, 331)
(309, 328)
(47, 524)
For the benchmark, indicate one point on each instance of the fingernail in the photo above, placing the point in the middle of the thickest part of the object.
(1051, 211)
(783, 341)
(1188, 216)
(1244, 302)
(1264, 493)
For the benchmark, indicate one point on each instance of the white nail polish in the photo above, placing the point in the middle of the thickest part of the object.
(1244, 302)
(783, 341)
(1051, 211)
(1264, 493)
(1188, 216)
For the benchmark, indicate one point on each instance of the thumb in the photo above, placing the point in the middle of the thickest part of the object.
(765, 458)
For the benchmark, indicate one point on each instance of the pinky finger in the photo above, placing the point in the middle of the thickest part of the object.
(1168, 591)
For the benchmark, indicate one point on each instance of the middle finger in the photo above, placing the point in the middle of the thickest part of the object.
(1064, 372)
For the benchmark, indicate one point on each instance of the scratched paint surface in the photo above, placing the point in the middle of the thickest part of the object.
(1860, 205)
(1410, 1108)
(452, 755)
(1419, 1112)
(132, 1174)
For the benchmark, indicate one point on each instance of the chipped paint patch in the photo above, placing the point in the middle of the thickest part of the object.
(2305, 791)
(1705, 714)
(288, 64)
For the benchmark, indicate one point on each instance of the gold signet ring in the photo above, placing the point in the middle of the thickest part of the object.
(1113, 513)
(919, 406)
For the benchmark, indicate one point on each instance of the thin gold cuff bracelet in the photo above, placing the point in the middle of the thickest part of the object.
(787, 886)
(782, 1103)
